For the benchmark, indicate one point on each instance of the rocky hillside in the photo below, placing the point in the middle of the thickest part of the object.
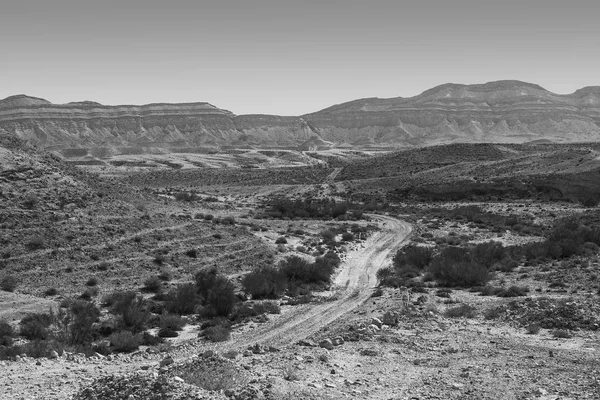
(504, 111)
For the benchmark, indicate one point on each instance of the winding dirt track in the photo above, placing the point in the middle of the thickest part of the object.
(353, 282)
(59, 379)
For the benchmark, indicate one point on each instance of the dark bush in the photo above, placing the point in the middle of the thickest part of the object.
(8, 283)
(6, 333)
(149, 339)
(82, 317)
(221, 297)
(217, 333)
(183, 299)
(93, 281)
(265, 283)
(281, 240)
(461, 311)
(347, 237)
(35, 326)
(455, 266)
(125, 341)
(131, 309)
(167, 333)
(192, 253)
(514, 291)
(50, 292)
(152, 284)
(173, 322)
(36, 243)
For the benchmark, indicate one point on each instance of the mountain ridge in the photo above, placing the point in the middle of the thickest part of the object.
(499, 111)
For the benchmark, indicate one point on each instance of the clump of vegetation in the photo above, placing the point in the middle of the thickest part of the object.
(292, 273)
(93, 281)
(131, 310)
(153, 284)
(183, 299)
(36, 243)
(311, 208)
(217, 333)
(8, 283)
(216, 291)
(125, 341)
(186, 196)
(461, 311)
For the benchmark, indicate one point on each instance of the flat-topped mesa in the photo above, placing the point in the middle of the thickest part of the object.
(502, 111)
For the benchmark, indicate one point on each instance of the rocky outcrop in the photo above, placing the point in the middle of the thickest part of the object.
(504, 111)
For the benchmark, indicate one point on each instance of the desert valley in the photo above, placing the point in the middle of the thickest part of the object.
(442, 246)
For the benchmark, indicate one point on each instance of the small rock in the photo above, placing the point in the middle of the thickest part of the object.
(208, 354)
(166, 361)
(306, 343)
(53, 354)
(332, 372)
(390, 318)
(369, 352)
(337, 341)
(178, 379)
(326, 344)
(377, 322)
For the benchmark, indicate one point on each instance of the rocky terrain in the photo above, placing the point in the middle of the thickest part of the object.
(149, 258)
(504, 111)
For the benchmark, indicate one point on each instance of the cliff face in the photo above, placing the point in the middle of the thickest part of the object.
(505, 111)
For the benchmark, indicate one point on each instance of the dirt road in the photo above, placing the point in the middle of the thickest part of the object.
(59, 379)
(353, 282)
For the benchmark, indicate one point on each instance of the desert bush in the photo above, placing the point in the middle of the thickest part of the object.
(217, 333)
(152, 284)
(76, 324)
(455, 266)
(125, 341)
(281, 240)
(533, 328)
(167, 333)
(164, 276)
(149, 339)
(35, 326)
(347, 237)
(514, 291)
(562, 333)
(183, 299)
(6, 333)
(89, 293)
(173, 322)
(192, 253)
(131, 309)
(36, 243)
(93, 281)
(265, 283)
(461, 311)
(186, 196)
(327, 235)
(50, 292)
(8, 283)
(221, 297)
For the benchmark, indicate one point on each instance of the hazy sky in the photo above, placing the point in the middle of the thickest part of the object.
(289, 57)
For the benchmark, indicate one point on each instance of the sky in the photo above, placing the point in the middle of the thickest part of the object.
(289, 57)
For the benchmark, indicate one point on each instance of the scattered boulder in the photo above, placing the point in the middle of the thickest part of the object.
(377, 322)
(166, 361)
(307, 343)
(369, 352)
(326, 344)
(337, 341)
(390, 318)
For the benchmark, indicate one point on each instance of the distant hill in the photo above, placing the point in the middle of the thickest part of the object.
(503, 111)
